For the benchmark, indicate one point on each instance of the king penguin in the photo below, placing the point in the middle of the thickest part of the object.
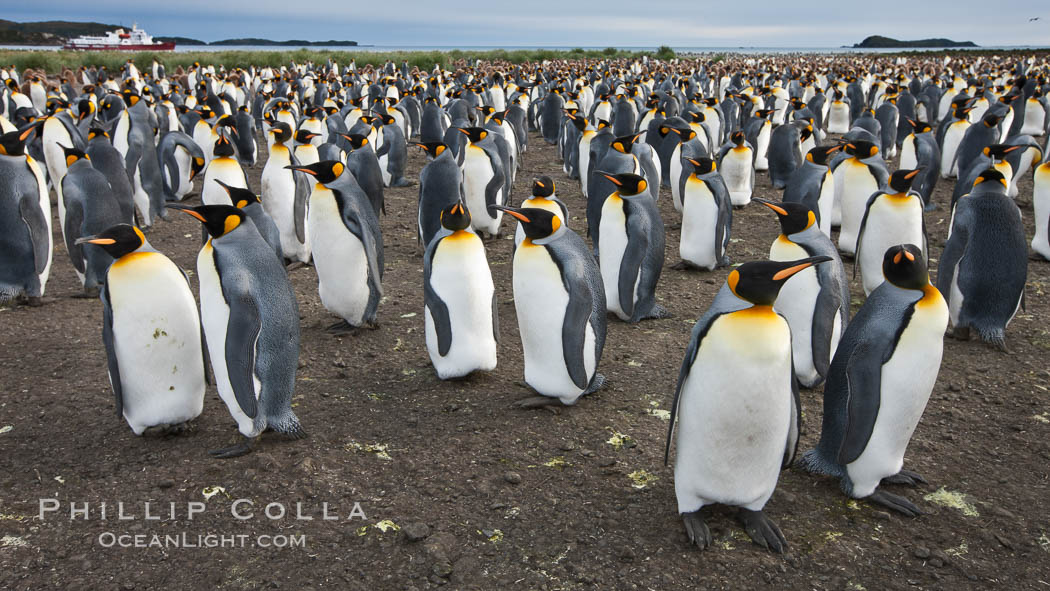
(707, 217)
(251, 324)
(26, 244)
(152, 333)
(90, 208)
(1041, 210)
(348, 246)
(560, 305)
(246, 201)
(483, 179)
(879, 382)
(737, 404)
(813, 185)
(892, 216)
(440, 186)
(285, 196)
(224, 168)
(857, 177)
(543, 197)
(737, 162)
(462, 326)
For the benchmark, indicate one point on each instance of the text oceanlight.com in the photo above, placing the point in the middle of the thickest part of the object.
(185, 540)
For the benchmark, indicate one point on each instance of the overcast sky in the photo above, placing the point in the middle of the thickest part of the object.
(703, 23)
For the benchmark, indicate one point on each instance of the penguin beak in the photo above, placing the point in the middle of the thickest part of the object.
(513, 212)
(802, 265)
(912, 173)
(187, 210)
(779, 210)
(301, 169)
(463, 131)
(223, 185)
(95, 240)
(611, 178)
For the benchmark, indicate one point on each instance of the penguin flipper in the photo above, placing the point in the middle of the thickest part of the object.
(495, 186)
(863, 398)
(111, 351)
(29, 209)
(74, 219)
(437, 307)
(302, 195)
(242, 332)
(574, 331)
(795, 424)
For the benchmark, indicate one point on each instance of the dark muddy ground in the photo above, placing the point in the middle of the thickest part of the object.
(487, 496)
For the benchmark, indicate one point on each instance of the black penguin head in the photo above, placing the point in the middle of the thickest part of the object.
(904, 266)
(919, 126)
(764, 113)
(794, 217)
(820, 154)
(303, 136)
(499, 116)
(760, 282)
(486, 109)
(455, 217)
(702, 165)
(806, 132)
(433, 149)
(991, 175)
(684, 133)
(323, 172)
(999, 151)
(738, 138)
(223, 147)
(13, 143)
(696, 117)
(95, 132)
(196, 166)
(900, 180)
(623, 143)
(73, 154)
(218, 220)
(542, 186)
(474, 134)
(991, 120)
(627, 183)
(117, 240)
(240, 198)
(861, 149)
(537, 223)
(281, 131)
(356, 140)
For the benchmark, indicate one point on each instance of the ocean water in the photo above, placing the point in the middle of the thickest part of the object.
(468, 48)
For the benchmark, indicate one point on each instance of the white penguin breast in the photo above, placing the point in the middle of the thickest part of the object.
(797, 301)
(891, 221)
(339, 258)
(477, 172)
(907, 380)
(157, 341)
(612, 243)
(1041, 210)
(224, 169)
(734, 413)
(699, 225)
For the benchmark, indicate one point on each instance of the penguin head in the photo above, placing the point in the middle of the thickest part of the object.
(696, 117)
(196, 166)
(281, 131)
(117, 240)
(455, 217)
(356, 140)
(223, 147)
(303, 136)
(474, 134)
(324, 172)
(385, 118)
(904, 266)
(240, 198)
(861, 149)
(738, 138)
(218, 220)
(702, 165)
(820, 154)
(806, 132)
(794, 217)
(627, 184)
(760, 282)
(919, 126)
(95, 132)
(13, 143)
(433, 149)
(991, 175)
(499, 116)
(623, 143)
(998, 151)
(486, 109)
(73, 154)
(542, 186)
(900, 180)
(764, 113)
(991, 120)
(537, 223)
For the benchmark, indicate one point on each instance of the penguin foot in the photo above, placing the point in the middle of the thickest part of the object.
(1037, 257)
(234, 451)
(762, 530)
(897, 503)
(89, 293)
(684, 265)
(293, 266)
(657, 313)
(961, 333)
(697, 530)
(538, 402)
(597, 383)
(341, 328)
(930, 207)
(905, 477)
(34, 301)
(169, 430)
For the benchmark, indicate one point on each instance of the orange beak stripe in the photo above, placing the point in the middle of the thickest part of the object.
(613, 179)
(785, 273)
(776, 208)
(911, 174)
(194, 214)
(909, 256)
(103, 241)
(897, 258)
(517, 215)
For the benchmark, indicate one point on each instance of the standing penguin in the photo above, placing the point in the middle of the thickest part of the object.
(225, 169)
(707, 217)
(920, 150)
(785, 151)
(483, 179)
(91, 207)
(737, 402)
(285, 196)
(813, 185)
(736, 159)
(348, 246)
(251, 324)
(984, 265)
(246, 201)
(954, 131)
(631, 250)
(440, 186)
(560, 304)
(462, 326)
(879, 382)
(392, 153)
(543, 197)
(1041, 210)
(363, 162)
(856, 177)
(156, 360)
(891, 217)
(974, 140)
(26, 245)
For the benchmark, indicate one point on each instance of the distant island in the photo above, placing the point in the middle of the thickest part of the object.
(56, 32)
(878, 41)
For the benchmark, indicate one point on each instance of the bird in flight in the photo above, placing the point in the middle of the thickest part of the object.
(1034, 18)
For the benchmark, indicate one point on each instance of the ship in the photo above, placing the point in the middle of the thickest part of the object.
(120, 40)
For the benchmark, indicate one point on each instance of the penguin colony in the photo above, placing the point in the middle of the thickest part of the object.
(118, 151)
